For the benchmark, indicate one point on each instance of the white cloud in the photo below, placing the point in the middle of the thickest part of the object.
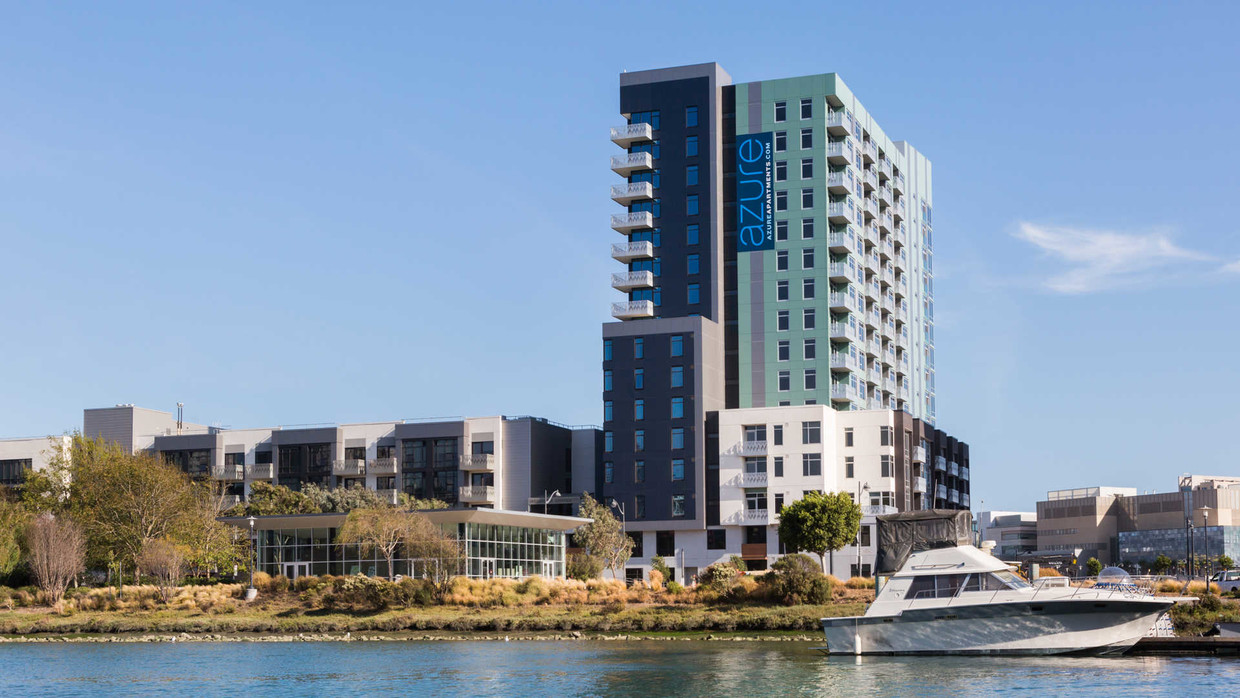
(1101, 259)
(1233, 268)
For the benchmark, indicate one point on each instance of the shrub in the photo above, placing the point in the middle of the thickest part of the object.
(1048, 572)
(656, 579)
(583, 566)
(797, 579)
(719, 576)
(674, 587)
(657, 563)
(414, 592)
(860, 583)
(738, 562)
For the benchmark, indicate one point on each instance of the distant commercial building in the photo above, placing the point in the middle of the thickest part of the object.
(19, 457)
(1119, 526)
(1014, 533)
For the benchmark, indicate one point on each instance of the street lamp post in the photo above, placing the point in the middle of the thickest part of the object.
(1205, 541)
(860, 488)
(547, 499)
(251, 593)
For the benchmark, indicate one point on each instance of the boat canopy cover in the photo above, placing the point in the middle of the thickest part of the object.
(901, 535)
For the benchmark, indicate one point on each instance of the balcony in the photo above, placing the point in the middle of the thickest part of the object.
(383, 466)
(839, 123)
(389, 495)
(897, 183)
(753, 479)
(625, 223)
(627, 135)
(628, 280)
(229, 501)
(940, 464)
(885, 223)
(953, 469)
(964, 472)
(627, 164)
(841, 331)
(870, 180)
(262, 471)
(625, 194)
(841, 182)
(228, 472)
(940, 492)
(843, 391)
(841, 361)
(919, 454)
(964, 499)
(844, 241)
(868, 152)
(751, 448)
(919, 485)
(753, 551)
(841, 301)
(352, 467)
(842, 271)
(478, 461)
(757, 516)
(631, 310)
(478, 494)
(841, 212)
(839, 152)
(953, 496)
(628, 251)
(878, 509)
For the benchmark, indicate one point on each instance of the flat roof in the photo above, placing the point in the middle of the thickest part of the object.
(496, 517)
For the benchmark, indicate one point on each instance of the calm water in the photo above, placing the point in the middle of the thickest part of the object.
(571, 668)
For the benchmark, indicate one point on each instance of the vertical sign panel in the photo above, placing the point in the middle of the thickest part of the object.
(755, 224)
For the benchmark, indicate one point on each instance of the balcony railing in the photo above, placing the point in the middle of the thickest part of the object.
(840, 120)
(228, 472)
(842, 271)
(629, 192)
(477, 461)
(628, 251)
(940, 463)
(629, 310)
(753, 479)
(843, 241)
(919, 484)
(757, 515)
(940, 492)
(878, 509)
(478, 493)
(842, 182)
(352, 466)
(627, 164)
(843, 330)
(845, 361)
(626, 280)
(843, 391)
(626, 222)
(964, 472)
(964, 498)
(841, 212)
(751, 448)
(383, 466)
(953, 497)
(840, 150)
(841, 300)
(262, 471)
(627, 135)
(953, 469)
(390, 496)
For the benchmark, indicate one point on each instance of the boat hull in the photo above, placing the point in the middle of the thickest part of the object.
(1083, 626)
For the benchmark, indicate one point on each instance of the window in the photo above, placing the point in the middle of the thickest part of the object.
(807, 168)
(785, 381)
(755, 433)
(848, 436)
(691, 116)
(639, 440)
(717, 539)
(781, 351)
(781, 290)
(691, 234)
(807, 198)
(678, 505)
(778, 463)
(639, 506)
(637, 537)
(781, 111)
(848, 466)
(807, 258)
(811, 379)
(807, 228)
(811, 464)
(639, 378)
(693, 263)
(639, 348)
(808, 318)
(781, 201)
(781, 320)
(807, 289)
(811, 432)
(678, 407)
(639, 471)
(678, 376)
(807, 138)
(781, 230)
(691, 205)
(779, 504)
(884, 436)
(678, 345)
(694, 294)
(607, 380)
(678, 438)
(606, 350)
(807, 108)
(691, 146)
(691, 175)
(607, 442)
(810, 349)
(609, 472)
(639, 410)
(885, 465)
(777, 434)
(678, 469)
(781, 258)
(755, 500)
(607, 411)
(781, 170)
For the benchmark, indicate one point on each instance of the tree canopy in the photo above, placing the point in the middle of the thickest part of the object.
(820, 523)
(604, 537)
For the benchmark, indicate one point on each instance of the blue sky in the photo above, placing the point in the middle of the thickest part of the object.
(293, 214)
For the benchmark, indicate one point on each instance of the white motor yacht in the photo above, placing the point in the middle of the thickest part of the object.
(945, 596)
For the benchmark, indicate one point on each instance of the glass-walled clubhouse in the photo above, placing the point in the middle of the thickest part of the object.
(496, 543)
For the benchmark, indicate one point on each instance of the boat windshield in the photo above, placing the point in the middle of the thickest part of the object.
(945, 586)
(1011, 580)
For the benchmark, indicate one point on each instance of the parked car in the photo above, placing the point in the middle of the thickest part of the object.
(1227, 580)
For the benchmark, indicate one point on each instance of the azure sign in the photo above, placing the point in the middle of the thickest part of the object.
(755, 226)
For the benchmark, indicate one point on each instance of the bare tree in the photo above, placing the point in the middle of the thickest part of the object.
(165, 561)
(56, 550)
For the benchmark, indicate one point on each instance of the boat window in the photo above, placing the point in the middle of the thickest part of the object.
(993, 583)
(921, 588)
(973, 583)
(936, 586)
(1011, 580)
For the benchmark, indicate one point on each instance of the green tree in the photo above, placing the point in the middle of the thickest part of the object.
(795, 579)
(1225, 562)
(343, 499)
(604, 537)
(381, 530)
(267, 499)
(1162, 563)
(583, 566)
(1093, 566)
(210, 545)
(13, 520)
(820, 523)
